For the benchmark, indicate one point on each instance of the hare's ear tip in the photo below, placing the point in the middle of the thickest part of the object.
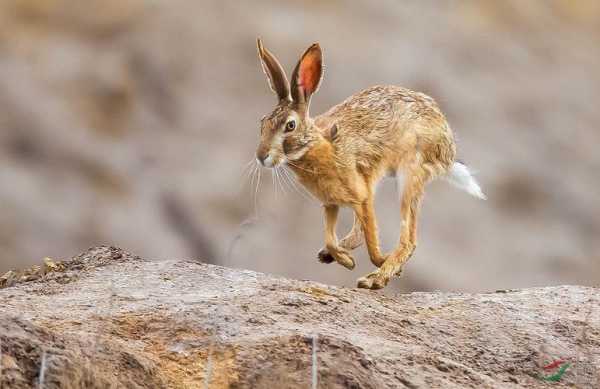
(259, 43)
(316, 48)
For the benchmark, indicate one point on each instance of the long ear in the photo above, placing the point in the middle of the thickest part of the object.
(275, 74)
(307, 75)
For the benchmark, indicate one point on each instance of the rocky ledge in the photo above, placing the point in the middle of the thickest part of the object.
(108, 319)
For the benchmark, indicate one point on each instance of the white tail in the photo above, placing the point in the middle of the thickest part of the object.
(461, 177)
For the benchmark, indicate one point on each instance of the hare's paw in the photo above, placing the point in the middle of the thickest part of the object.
(343, 257)
(340, 255)
(324, 256)
(374, 280)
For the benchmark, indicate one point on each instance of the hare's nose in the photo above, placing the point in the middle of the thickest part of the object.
(265, 160)
(261, 159)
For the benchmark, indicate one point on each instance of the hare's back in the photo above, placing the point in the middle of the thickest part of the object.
(380, 117)
(381, 107)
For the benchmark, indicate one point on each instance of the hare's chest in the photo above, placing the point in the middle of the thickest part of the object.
(329, 189)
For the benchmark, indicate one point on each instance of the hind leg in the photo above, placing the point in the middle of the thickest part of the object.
(351, 241)
(365, 212)
(409, 208)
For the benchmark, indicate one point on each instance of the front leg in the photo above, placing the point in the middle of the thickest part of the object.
(339, 254)
(351, 241)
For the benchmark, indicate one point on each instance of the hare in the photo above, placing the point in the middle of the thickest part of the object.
(340, 155)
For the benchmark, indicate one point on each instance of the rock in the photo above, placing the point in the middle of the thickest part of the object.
(107, 318)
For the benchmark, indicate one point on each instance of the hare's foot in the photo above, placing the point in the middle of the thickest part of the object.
(339, 254)
(343, 257)
(324, 256)
(373, 280)
(391, 265)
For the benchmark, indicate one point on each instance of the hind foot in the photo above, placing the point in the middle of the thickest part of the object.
(373, 280)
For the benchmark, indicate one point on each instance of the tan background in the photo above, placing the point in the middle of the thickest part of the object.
(129, 122)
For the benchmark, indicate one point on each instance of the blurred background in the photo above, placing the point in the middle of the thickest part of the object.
(130, 123)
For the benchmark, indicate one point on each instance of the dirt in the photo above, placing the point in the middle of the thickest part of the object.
(109, 319)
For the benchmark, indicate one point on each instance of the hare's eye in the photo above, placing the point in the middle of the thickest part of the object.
(290, 126)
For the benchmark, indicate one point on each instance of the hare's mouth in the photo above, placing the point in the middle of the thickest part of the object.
(271, 161)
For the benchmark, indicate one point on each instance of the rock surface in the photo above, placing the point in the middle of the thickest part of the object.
(148, 110)
(110, 319)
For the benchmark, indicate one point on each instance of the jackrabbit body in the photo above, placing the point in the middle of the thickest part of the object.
(340, 156)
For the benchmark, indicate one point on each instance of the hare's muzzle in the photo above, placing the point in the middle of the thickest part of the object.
(265, 159)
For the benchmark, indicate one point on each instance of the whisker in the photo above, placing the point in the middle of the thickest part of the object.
(285, 179)
(273, 182)
(247, 166)
(279, 175)
(294, 187)
(276, 175)
(248, 170)
(252, 175)
(259, 173)
(247, 176)
(300, 167)
(298, 187)
(252, 180)
(250, 163)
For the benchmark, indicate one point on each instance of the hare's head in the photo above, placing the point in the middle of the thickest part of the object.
(288, 132)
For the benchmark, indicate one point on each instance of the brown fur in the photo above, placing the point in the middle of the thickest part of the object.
(378, 131)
